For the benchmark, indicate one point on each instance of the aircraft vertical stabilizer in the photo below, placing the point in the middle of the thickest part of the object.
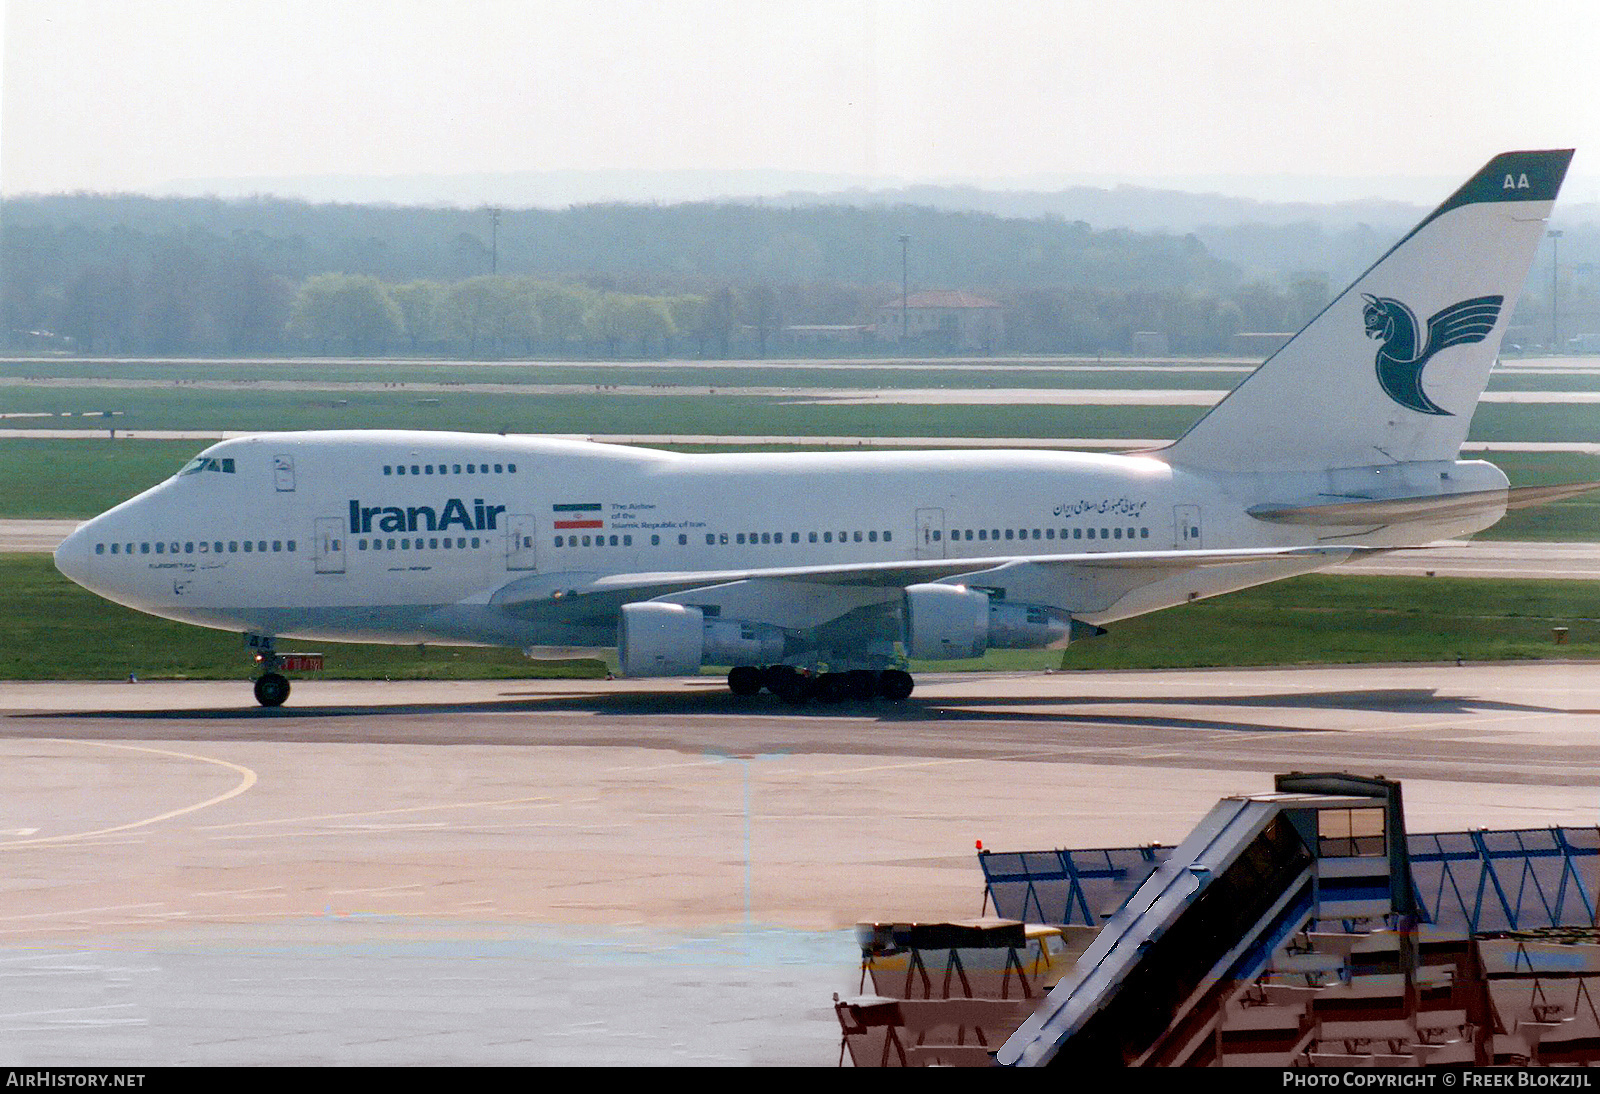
(1392, 370)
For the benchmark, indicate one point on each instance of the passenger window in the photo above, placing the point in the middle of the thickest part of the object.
(983, 533)
(627, 541)
(613, 541)
(858, 537)
(511, 469)
(427, 468)
(683, 541)
(161, 548)
(456, 468)
(872, 537)
(433, 544)
(811, 537)
(387, 469)
(827, 537)
(497, 469)
(472, 469)
(1008, 533)
(400, 470)
(188, 548)
(1144, 533)
(461, 542)
(739, 538)
(794, 537)
(558, 541)
(887, 536)
(144, 548)
(474, 541)
(1118, 532)
(115, 548)
(1091, 533)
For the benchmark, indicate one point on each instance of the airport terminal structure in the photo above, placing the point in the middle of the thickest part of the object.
(1303, 927)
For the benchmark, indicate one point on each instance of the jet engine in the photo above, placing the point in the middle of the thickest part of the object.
(664, 639)
(953, 622)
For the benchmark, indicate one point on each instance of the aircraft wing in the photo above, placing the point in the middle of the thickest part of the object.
(538, 593)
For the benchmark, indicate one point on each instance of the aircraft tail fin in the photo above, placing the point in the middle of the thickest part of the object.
(1392, 370)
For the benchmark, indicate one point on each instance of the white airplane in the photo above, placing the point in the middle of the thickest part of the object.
(819, 574)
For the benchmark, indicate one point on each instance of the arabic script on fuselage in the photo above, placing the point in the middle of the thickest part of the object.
(1122, 507)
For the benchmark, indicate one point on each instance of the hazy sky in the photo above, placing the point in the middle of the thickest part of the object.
(117, 94)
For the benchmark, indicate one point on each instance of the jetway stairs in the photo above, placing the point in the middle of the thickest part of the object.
(1218, 951)
(1303, 927)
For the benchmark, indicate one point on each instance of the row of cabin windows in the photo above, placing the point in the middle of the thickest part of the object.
(433, 543)
(872, 536)
(600, 541)
(450, 469)
(197, 547)
(966, 535)
(714, 538)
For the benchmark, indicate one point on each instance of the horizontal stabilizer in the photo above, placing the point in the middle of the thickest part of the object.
(1431, 507)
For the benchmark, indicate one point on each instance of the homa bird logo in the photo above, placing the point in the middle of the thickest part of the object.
(1400, 363)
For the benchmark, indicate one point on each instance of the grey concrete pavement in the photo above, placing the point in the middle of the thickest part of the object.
(545, 872)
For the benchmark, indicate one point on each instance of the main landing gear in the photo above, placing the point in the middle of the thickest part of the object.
(794, 686)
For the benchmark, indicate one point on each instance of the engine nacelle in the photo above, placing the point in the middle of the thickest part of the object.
(663, 639)
(953, 622)
(660, 639)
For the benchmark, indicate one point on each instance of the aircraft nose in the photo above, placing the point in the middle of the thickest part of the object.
(73, 554)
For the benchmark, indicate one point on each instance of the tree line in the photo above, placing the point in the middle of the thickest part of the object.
(130, 275)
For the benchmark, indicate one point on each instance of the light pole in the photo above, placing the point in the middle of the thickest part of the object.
(1555, 285)
(494, 239)
(905, 242)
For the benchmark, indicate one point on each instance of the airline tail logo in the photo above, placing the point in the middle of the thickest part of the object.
(1400, 362)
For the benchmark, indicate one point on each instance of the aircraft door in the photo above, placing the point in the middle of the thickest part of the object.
(283, 473)
(930, 533)
(328, 545)
(1186, 527)
(521, 541)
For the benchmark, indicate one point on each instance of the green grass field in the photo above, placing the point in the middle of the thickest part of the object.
(55, 630)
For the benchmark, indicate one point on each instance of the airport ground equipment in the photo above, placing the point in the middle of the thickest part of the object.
(945, 994)
(1305, 927)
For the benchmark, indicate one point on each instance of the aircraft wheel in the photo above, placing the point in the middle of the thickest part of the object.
(794, 689)
(744, 680)
(894, 684)
(272, 690)
(861, 684)
(831, 687)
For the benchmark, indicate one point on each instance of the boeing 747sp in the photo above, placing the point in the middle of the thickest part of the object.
(820, 574)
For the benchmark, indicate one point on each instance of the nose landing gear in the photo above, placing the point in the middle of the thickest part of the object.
(272, 687)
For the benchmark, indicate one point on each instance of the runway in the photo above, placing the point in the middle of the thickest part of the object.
(633, 871)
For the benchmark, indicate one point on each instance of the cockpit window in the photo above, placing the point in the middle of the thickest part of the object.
(207, 463)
